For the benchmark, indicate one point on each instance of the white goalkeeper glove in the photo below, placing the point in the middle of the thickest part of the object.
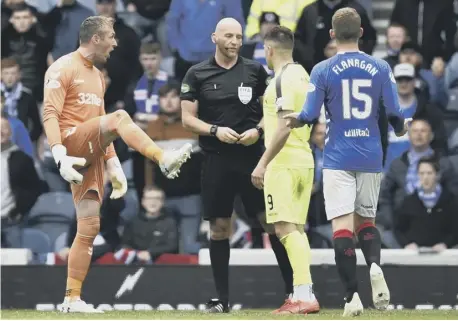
(117, 177)
(65, 164)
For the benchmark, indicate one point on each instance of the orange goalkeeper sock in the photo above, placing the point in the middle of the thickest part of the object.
(137, 139)
(79, 258)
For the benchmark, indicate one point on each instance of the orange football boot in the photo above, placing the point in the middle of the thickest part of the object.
(298, 307)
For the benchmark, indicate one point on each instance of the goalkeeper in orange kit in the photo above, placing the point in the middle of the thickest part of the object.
(80, 135)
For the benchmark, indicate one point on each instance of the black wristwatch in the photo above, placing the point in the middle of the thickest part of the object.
(260, 131)
(213, 130)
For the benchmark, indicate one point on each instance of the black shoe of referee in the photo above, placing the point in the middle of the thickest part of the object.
(217, 306)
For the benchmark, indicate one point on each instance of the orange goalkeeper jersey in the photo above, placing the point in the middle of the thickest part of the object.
(73, 94)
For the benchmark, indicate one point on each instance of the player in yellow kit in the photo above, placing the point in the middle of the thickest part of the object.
(285, 171)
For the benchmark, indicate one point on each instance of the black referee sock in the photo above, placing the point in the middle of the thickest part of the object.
(283, 263)
(256, 237)
(370, 242)
(219, 256)
(345, 256)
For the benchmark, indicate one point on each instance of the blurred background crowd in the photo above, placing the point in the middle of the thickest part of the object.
(158, 41)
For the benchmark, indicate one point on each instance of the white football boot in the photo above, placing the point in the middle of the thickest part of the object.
(380, 291)
(77, 306)
(173, 159)
(354, 307)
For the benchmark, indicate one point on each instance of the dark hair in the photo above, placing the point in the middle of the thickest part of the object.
(21, 7)
(283, 36)
(92, 26)
(431, 160)
(397, 25)
(346, 24)
(149, 188)
(422, 120)
(150, 48)
(170, 86)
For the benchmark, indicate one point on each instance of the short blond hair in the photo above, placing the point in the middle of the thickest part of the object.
(346, 23)
(93, 25)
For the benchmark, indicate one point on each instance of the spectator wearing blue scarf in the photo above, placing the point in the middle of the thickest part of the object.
(396, 35)
(19, 134)
(146, 98)
(255, 50)
(146, 93)
(427, 218)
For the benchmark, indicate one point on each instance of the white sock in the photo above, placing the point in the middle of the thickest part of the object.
(304, 292)
(71, 299)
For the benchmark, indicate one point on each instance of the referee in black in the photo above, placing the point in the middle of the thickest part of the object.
(221, 102)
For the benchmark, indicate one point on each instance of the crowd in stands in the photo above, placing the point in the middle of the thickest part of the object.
(158, 41)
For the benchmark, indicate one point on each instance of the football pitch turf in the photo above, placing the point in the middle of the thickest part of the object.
(236, 315)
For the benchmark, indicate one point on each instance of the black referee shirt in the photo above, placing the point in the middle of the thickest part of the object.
(227, 98)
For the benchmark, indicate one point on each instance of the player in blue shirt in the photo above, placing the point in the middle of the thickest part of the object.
(356, 90)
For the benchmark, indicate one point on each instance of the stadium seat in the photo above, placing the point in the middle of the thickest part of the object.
(453, 142)
(132, 206)
(35, 240)
(52, 229)
(177, 259)
(52, 214)
(454, 161)
(54, 206)
(60, 242)
(12, 235)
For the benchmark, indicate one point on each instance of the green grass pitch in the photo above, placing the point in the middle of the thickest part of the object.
(236, 315)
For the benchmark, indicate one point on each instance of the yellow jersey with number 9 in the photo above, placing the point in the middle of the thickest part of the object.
(287, 91)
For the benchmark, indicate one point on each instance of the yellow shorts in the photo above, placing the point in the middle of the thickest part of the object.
(287, 194)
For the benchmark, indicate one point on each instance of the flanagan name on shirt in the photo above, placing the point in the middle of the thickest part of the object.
(350, 62)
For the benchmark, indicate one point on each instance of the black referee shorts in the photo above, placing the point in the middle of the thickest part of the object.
(222, 179)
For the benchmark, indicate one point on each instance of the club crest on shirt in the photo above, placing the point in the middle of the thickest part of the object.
(52, 83)
(185, 88)
(245, 94)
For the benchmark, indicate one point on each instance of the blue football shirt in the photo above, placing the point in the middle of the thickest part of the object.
(353, 87)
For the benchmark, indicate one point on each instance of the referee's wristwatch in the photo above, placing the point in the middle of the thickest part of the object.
(260, 131)
(213, 130)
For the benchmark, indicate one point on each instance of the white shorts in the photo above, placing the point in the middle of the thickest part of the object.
(347, 192)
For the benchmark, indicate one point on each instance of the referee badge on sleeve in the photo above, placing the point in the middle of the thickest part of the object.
(245, 94)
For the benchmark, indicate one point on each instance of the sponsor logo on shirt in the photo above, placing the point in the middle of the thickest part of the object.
(89, 99)
(357, 133)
